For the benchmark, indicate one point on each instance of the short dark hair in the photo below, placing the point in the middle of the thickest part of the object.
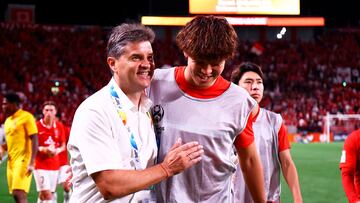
(12, 98)
(240, 70)
(208, 38)
(50, 102)
(121, 35)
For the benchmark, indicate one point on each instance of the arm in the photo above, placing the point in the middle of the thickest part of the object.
(60, 149)
(347, 176)
(287, 164)
(62, 140)
(34, 149)
(249, 159)
(348, 164)
(252, 172)
(118, 183)
(3, 148)
(290, 174)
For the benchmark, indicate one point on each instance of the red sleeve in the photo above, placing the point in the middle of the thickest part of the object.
(348, 168)
(62, 133)
(246, 137)
(283, 138)
(67, 133)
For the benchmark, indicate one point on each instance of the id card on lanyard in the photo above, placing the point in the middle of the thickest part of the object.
(121, 113)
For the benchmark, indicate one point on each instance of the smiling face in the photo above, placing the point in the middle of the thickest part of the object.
(133, 70)
(203, 74)
(253, 83)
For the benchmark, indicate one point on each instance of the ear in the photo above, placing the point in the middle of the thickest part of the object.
(111, 62)
(186, 55)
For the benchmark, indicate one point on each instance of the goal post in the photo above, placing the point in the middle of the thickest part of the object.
(340, 125)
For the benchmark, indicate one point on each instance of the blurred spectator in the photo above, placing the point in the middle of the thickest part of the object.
(303, 77)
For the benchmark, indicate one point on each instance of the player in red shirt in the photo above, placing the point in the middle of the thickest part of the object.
(350, 167)
(51, 143)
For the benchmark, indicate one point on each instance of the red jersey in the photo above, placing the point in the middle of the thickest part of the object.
(350, 166)
(63, 156)
(47, 137)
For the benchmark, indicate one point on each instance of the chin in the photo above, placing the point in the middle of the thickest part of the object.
(258, 100)
(146, 84)
(204, 85)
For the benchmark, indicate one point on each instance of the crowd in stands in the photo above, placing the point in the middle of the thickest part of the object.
(304, 80)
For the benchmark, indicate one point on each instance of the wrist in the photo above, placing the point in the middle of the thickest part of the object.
(31, 166)
(58, 151)
(166, 170)
(41, 149)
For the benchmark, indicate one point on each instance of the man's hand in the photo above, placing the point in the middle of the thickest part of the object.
(49, 151)
(1, 152)
(69, 176)
(181, 157)
(30, 169)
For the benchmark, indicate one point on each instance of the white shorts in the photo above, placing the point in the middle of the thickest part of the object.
(46, 179)
(62, 174)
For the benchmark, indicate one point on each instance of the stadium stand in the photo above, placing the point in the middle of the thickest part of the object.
(304, 79)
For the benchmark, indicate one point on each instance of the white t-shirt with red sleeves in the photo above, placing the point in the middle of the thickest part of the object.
(270, 139)
(215, 117)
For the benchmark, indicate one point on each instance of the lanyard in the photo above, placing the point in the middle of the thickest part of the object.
(122, 115)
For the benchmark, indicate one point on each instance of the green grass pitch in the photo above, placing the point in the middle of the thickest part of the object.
(319, 173)
(5, 197)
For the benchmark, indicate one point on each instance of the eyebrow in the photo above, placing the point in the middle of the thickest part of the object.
(257, 79)
(136, 54)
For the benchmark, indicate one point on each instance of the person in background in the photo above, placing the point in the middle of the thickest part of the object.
(21, 145)
(271, 141)
(193, 102)
(112, 142)
(350, 167)
(51, 144)
(64, 168)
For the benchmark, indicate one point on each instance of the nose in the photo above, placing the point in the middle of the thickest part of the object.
(206, 69)
(147, 64)
(255, 86)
